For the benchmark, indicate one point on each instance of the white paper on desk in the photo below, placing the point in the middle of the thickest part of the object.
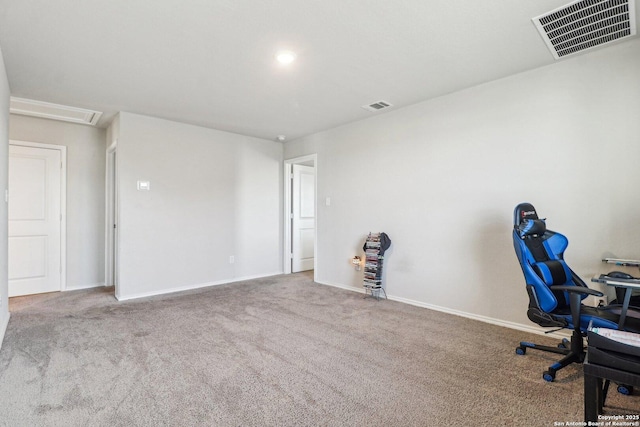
(623, 337)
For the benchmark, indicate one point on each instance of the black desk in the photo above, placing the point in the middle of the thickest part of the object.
(628, 285)
(594, 389)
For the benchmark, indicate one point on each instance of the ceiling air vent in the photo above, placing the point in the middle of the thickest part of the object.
(47, 110)
(377, 106)
(585, 24)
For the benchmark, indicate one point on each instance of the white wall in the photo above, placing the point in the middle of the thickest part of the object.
(213, 195)
(85, 191)
(442, 178)
(4, 147)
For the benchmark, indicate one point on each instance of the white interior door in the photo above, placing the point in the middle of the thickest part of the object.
(35, 217)
(303, 220)
(111, 247)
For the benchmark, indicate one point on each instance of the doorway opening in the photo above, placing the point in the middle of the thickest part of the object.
(111, 219)
(300, 213)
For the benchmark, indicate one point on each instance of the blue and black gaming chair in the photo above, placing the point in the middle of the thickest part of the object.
(555, 291)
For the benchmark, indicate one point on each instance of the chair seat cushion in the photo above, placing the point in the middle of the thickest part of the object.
(605, 317)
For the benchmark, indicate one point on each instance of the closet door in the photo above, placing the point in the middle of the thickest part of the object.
(303, 219)
(34, 220)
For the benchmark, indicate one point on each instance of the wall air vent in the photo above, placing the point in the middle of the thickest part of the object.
(377, 106)
(585, 24)
(46, 110)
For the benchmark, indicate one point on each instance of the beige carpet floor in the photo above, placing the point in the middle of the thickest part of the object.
(279, 351)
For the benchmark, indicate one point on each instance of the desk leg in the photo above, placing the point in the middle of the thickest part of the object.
(625, 307)
(592, 397)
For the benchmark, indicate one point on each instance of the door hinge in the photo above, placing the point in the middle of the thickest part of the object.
(114, 226)
(291, 256)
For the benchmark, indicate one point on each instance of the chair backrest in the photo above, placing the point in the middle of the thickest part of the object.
(541, 255)
(523, 212)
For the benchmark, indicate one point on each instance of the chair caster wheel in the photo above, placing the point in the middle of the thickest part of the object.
(548, 376)
(627, 390)
(521, 350)
(561, 345)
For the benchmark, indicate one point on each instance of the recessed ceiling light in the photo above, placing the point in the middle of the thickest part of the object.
(286, 57)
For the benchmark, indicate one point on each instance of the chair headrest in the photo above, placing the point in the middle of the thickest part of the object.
(523, 211)
(532, 227)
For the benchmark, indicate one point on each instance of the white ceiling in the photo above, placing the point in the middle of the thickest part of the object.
(211, 62)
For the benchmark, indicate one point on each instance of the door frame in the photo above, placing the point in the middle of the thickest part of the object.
(63, 201)
(111, 218)
(286, 256)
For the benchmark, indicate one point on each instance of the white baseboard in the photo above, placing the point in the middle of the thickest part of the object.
(499, 322)
(89, 286)
(3, 328)
(192, 287)
(507, 324)
(346, 287)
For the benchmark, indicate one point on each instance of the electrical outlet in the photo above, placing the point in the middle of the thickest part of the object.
(232, 259)
(594, 301)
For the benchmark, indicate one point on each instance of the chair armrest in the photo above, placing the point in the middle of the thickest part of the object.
(576, 290)
(574, 301)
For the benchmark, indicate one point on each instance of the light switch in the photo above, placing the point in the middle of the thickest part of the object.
(327, 201)
(144, 185)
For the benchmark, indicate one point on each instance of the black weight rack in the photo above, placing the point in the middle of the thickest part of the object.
(374, 248)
